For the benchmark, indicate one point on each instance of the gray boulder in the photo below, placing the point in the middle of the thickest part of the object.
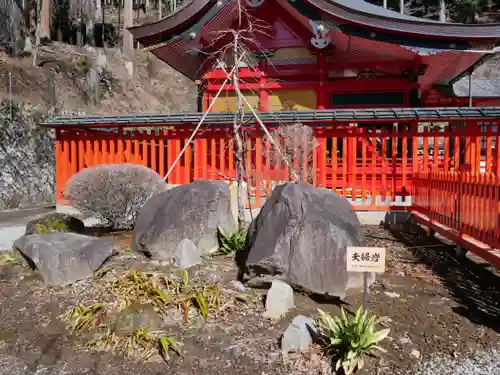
(191, 211)
(64, 257)
(301, 235)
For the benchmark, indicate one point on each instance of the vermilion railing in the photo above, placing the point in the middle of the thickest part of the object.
(462, 206)
(372, 166)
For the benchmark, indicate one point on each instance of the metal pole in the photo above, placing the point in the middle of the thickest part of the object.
(470, 88)
(385, 4)
(365, 291)
(10, 95)
(402, 7)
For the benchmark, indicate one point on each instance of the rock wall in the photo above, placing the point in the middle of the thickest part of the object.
(27, 161)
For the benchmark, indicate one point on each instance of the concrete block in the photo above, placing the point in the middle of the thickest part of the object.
(279, 299)
(299, 335)
(187, 254)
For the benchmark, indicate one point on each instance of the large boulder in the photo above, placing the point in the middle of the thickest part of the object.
(301, 235)
(54, 222)
(192, 211)
(64, 257)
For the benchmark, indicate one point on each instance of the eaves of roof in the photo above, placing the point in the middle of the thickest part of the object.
(313, 117)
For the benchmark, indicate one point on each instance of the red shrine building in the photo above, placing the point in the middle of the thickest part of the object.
(325, 54)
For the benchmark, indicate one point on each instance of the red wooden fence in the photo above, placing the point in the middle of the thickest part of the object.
(361, 163)
(463, 207)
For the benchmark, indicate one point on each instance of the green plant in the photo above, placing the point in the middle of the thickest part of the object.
(350, 339)
(164, 292)
(84, 317)
(166, 344)
(7, 258)
(141, 343)
(231, 243)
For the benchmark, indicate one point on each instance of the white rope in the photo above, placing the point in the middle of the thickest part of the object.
(201, 122)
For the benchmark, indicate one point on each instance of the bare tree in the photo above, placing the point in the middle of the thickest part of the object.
(298, 143)
(232, 46)
(11, 25)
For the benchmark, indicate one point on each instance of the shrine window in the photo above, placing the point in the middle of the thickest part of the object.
(368, 99)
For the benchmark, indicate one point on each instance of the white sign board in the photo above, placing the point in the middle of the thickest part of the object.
(366, 259)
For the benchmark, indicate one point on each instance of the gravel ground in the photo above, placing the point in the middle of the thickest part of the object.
(478, 363)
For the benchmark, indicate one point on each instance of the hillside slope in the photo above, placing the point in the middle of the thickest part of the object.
(155, 87)
(27, 94)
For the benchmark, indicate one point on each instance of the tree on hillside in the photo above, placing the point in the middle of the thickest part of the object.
(464, 11)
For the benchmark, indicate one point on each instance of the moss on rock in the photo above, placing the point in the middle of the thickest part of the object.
(55, 222)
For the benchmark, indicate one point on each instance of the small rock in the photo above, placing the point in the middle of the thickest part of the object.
(392, 294)
(404, 340)
(297, 337)
(187, 254)
(237, 285)
(212, 278)
(400, 273)
(137, 316)
(415, 353)
(279, 299)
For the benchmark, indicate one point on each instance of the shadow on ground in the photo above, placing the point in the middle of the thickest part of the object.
(474, 286)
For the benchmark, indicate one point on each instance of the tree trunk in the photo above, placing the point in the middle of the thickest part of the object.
(238, 142)
(128, 39)
(442, 10)
(14, 27)
(37, 42)
(45, 19)
(89, 30)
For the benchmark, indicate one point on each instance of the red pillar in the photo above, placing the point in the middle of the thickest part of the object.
(263, 93)
(59, 164)
(351, 157)
(321, 95)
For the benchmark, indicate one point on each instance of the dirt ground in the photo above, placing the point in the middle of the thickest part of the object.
(437, 303)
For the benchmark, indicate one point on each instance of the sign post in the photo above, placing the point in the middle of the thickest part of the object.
(365, 260)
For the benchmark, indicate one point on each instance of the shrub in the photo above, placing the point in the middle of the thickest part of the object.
(298, 144)
(114, 193)
(350, 339)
